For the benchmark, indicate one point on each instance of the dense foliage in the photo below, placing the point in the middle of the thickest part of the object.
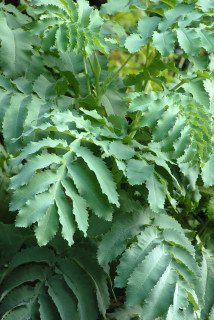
(107, 160)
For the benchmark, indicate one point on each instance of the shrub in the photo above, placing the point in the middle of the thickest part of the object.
(107, 160)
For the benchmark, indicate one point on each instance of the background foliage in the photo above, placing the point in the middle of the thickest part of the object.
(106, 160)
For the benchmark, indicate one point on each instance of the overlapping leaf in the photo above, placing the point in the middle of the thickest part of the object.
(158, 268)
(36, 282)
(76, 28)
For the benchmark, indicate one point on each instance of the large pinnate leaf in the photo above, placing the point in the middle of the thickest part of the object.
(15, 49)
(157, 268)
(78, 27)
(38, 282)
(58, 198)
(84, 164)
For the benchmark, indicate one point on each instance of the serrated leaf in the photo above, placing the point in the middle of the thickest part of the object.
(19, 313)
(84, 11)
(15, 298)
(164, 42)
(56, 3)
(158, 266)
(89, 264)
(101, 171)
(166, 222)
(40, 205)
(180, 304)
(43, 87)
(38, 184)
(65, 216)
(121, 151)
(172, 15)
(83, 178)
(146, 27)
(95, 21)
(206, 6)
(29, 273)
(146, 241)
(112, 6)
(15, 52)
(62, 38)
(47, 308)
(47, 226)
(165, 123)
(39, 162)
(134, 43)
(156, 197)
(146, 275)
(49, 39)
(189, 40)
(114, 241)
(4, 103)
(209, 87)
(138, 171)
(196, 88)
(208, 173)
(208, 277)
(80, 284)
(207, 39)
(62, 297)
(34, 147)
(177, 238)
(161, 295)
(14, 119)
(79, 206)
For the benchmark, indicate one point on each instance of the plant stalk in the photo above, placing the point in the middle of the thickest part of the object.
(114, 75)
(87, 75)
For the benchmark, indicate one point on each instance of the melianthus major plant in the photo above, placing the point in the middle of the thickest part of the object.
(111, 171)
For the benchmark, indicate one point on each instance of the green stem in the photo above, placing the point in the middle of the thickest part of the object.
(136, 121)
(96, 77)
(178, 85)
(145, 85)
(114, 75)
(203, 229)
(123, 65)
(182, 82)
(146, 82)
(147, 54)
(111, 288)
(135, 125)
(87, 75)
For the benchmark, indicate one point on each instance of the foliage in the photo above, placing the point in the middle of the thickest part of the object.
(39, 283)
(159, 268)
(106, 160)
